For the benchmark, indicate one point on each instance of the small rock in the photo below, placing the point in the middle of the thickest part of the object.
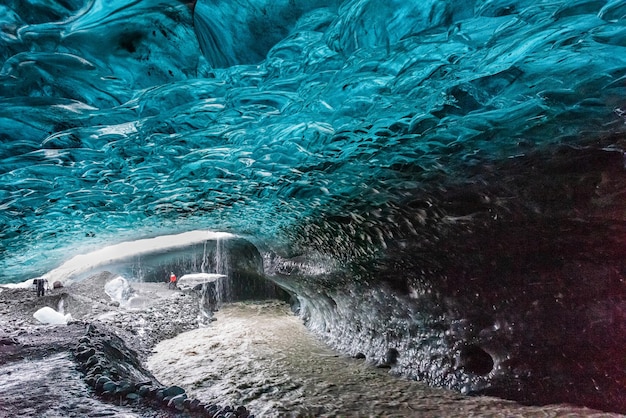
(144, 390)
(110, 386)
(114, 372)
(8, 341)
(194, 405)
(152, 392)
(158, 395)
(92, 360)
(391, 357)
(143, 383)
(85, 354)
(125, 387)
(173, 391)
(101, 381)
(211, 410)
(97, 369)
(177, 402)
(81, 347)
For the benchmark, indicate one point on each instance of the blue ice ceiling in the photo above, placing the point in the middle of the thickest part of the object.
(114, 125)
(463, 158)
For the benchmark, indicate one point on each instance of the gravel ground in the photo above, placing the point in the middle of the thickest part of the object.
(39, 375)
(51, 370)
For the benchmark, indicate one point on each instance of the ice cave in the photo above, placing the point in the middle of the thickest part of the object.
(436, 184)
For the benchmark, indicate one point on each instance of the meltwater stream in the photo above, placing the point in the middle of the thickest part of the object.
(259, 354)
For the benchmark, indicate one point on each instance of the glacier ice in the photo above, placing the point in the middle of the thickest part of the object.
(118, 289)
(242, 32)
(49, 316)
(127, 253)
(441, 178)
(189, 281)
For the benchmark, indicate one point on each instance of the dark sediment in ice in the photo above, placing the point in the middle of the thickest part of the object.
(510, 284)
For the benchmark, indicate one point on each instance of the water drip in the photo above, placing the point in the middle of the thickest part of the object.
(223, 286)
(203, 266)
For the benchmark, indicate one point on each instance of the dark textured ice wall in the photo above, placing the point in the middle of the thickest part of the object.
(523, 298)
(440, 183)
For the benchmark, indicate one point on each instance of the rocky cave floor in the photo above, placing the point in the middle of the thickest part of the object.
(94, 365)
(104, 346)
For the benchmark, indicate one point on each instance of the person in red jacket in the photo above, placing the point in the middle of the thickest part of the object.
(172, 283)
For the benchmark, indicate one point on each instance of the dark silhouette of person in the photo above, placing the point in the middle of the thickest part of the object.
(41, 289)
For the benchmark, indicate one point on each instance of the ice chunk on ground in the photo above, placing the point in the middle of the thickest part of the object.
(118, 290)
(47, 315)
(189, 281)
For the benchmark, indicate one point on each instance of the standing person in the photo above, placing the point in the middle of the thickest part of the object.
(40, 287)
(172, 283)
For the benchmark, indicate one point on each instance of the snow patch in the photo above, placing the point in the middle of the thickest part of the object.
(23, 285)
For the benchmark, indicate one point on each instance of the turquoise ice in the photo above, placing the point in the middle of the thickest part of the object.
(455, 167)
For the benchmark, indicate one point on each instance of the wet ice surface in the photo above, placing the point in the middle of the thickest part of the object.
(260, 355)
(50, 387)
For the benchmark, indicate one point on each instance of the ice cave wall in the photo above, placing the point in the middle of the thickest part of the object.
(440, 183)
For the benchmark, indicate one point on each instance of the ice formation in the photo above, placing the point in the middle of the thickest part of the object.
(119, 290)
(189, 281)
(439, 184)
(49, 316)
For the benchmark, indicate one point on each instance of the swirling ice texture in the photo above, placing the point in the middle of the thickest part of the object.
(450, 153)
(114, 124)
